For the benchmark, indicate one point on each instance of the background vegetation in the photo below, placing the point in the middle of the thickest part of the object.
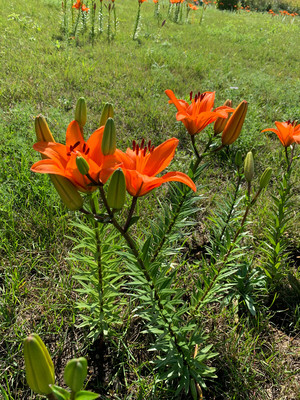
(252, 56)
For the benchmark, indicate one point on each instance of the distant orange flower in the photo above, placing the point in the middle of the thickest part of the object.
(155, 1)
(79, 5)
(62, 158)
(192, 6)
(197, 115)
(141, 1)
(287, 132)
(142, 164)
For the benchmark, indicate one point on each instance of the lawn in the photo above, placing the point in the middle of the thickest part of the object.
(252, 325)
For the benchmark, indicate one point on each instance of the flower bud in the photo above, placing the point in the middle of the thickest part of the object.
(75, 373)
(238, 158)
(265, 178)
(220, 123)
(109, 138)
(81, 112)
(107, 112)
(38, 365)
(235, 123)
(42, 130)
(116, 190)
(82, 165)
(249, 167)
(67, 192)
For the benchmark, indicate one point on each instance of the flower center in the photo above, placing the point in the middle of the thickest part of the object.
(85, 148)
(293, 123)
(198, 96)
(142, 149)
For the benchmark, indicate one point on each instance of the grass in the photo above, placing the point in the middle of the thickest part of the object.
(248, 56)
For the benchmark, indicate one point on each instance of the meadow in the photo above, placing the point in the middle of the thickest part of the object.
(251, 331)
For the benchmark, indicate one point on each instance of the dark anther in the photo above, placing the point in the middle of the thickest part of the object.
(145, 151)
(84, 147)
(142, 143)
(149, 145)
(75, 145)
(87, 152)
(133, 145)
(191, 95)
(137, 149)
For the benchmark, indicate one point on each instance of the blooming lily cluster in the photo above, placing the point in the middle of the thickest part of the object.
(89, 164)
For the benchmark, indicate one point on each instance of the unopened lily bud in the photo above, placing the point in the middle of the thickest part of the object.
(116, 190)
(235, 123)
(75, 373)
(38, 365)
(265, 178)
(238, 158)
(82, 165)
(67, 192)
(81, 112)
(249, 167)
(42, 130)
(109, 138)
(220, 123)
(193, 389)
(107, 112)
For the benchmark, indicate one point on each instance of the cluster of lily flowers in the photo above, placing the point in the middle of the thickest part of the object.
(283, 13)
(79, 5)
(88, 164)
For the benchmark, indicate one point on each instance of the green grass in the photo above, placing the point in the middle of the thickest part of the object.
(249, 56)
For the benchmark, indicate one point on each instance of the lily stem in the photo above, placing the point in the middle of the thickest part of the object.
(98, 260)
(250, 204)
(143, 268)
(131, 211)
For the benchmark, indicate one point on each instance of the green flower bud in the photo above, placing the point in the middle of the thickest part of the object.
(75, 373)
(116, 190)
(82, 165)
(42, 130)
(67, 192)
(249, 167)
(109, 138)
(38, 365)
(81, 112)
(265, 178)
(107, 112)
(238, 158)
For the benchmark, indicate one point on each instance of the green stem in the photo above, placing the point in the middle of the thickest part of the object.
(232, 205)
(143, 269)
(177, 212)
(131, 211)
(250, 204)
(76, 24)
(95, 210)
(137, 22)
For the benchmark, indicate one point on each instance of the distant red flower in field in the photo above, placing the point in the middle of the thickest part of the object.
(287, 132)
(141, 1)
(142, 163)
(197, 115)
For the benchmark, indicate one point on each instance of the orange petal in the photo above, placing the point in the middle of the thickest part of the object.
(174, 100)
(74, 135)
(48, 166)
(179, 177)
(161, 157)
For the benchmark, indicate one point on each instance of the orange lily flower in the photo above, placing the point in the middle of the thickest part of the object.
(142, 164)
(79, 4)
(287, 132)
(192, 6)
(197, 115)
(62, 158)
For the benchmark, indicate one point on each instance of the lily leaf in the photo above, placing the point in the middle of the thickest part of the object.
(60, 393)
(85, 395)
